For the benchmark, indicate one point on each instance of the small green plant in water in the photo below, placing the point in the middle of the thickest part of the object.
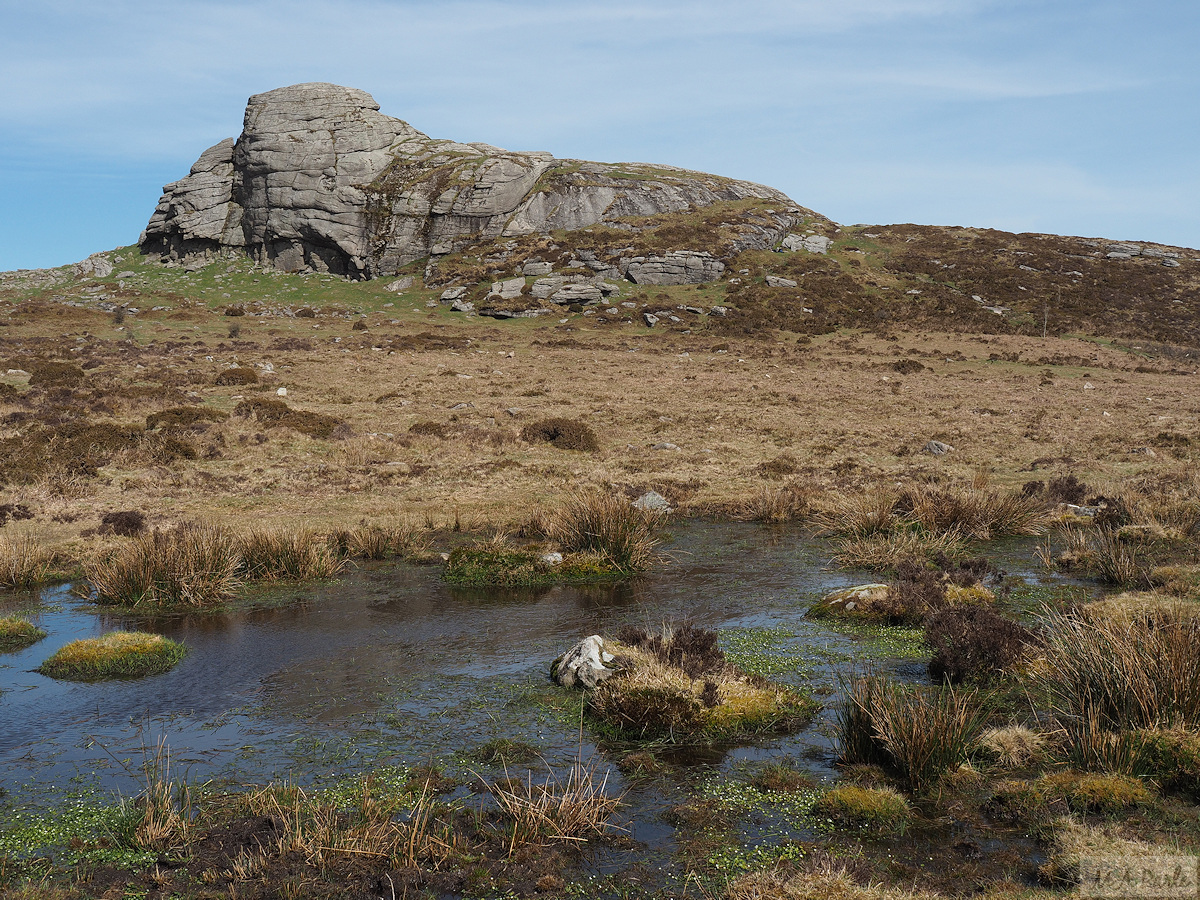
(881, 810)
(17, 634)
(119, 654)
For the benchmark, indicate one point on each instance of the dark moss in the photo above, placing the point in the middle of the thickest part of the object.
(183, 417)
(276, 413)
(565, 434)
(238, 375)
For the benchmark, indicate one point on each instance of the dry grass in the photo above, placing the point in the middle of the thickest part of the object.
(381, 540)
(1012, 746)
(377, 824)
(888, 549)
(1113, 667)
(608, 525)
(166, 818)
(285, 553)
(575, 807)
(718, 401)
(922, 733)
(24, 561)
(1073, 842)
(193, 565)
(826, 884)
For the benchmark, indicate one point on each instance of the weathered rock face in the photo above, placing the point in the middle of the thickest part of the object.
(321, 180)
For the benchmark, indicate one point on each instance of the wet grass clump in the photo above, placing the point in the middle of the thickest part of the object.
(285, 554)
(17, 634)
(881, 810)
(504, 751)
(120, 654)
(608, 525)
(880, 528)
(655, 698)
(916, 732)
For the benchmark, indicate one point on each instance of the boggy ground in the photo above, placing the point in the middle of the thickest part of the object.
(165, 411)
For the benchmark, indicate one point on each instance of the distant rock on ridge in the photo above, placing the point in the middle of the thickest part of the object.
(321, 180)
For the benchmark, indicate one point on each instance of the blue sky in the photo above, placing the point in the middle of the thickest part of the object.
(1052, 116)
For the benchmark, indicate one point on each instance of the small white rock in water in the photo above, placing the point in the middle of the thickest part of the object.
(282, 392)
(552, 559)
(583, 664)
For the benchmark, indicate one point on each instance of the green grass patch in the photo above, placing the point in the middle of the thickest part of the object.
(881, 810)
(506, 566)
(119, 654)
(17, 634)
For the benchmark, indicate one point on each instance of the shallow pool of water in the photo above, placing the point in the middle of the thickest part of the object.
(389, 665)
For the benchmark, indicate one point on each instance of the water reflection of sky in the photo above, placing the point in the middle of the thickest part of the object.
(391, 665)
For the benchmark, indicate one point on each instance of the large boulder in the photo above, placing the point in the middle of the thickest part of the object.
(320, 180)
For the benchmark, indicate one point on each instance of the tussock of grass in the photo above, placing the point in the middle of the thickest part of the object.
(608, 525)
(1115, 668)
(497, 562)
(831, 884)
(881, 809)
(379, 540)
(774, 504)
(1072, 842)
(1012, 746)
(887, 549)
(1097, 793)
(920, 733)
(23, 562)
(571, 808)
(119, 654)
(273, 554)
(17, 634)
(881, 527)
(655, 700)
(193, 565)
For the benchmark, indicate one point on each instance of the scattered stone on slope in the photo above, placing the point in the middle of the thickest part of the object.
(95, 266)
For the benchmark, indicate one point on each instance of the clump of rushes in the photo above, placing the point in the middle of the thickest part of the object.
(120, 654)
(655, 698)
(1118, 667)
(24, 563)
(881, 527)
(273, 554)
(376, 540)
(193, 565)
(17, 634)
(881, 809)
(608, 525)
(920, 733)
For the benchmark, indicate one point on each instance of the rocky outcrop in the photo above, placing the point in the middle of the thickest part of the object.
(681, 267)
(320, 180)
